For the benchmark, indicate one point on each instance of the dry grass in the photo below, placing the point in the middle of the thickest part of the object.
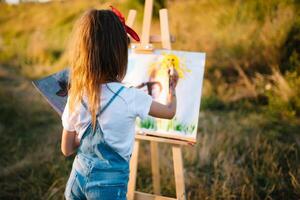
(238, 156)
(245, 149)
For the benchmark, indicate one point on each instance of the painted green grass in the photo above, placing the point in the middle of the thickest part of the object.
(148, 123)
(172, 125)
(175, 125)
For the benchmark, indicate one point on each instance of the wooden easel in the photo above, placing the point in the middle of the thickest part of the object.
(146, 47)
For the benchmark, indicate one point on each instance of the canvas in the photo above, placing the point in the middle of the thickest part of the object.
(149, 72)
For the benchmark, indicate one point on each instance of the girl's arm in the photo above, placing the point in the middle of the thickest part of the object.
(69, 142)
(166, 111)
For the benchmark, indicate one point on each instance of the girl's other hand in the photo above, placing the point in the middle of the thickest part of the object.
(69, 142)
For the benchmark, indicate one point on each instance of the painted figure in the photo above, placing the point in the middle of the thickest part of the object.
(158, 84)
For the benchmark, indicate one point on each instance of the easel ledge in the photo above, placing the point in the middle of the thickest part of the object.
(165, 138)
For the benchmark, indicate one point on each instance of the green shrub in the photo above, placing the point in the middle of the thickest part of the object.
(211, 103)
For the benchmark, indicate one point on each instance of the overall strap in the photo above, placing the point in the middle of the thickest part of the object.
(110, 101)
(107, 104)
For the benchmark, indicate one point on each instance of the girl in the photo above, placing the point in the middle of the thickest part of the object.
(99, 118)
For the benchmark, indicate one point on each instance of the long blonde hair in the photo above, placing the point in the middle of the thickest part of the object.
(98, 54)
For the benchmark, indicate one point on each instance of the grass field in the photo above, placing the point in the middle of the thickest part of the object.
(248, 141)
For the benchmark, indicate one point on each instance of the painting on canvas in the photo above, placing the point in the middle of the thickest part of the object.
(149, 72)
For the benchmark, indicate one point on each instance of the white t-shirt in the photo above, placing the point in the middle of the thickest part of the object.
(117, 121)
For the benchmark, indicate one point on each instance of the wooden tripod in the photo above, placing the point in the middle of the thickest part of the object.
(146, 47)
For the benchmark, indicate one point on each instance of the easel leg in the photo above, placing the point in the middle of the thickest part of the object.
(155, 167)
(164, 29)
(133, 171)
(179, 173)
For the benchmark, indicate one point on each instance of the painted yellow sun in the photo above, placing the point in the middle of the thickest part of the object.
(169, 61)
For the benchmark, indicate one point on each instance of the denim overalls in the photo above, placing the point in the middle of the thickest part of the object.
(98, 171)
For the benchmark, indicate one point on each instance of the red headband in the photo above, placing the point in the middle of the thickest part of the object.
(129, 30)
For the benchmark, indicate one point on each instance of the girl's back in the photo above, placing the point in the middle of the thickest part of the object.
(118, 120)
